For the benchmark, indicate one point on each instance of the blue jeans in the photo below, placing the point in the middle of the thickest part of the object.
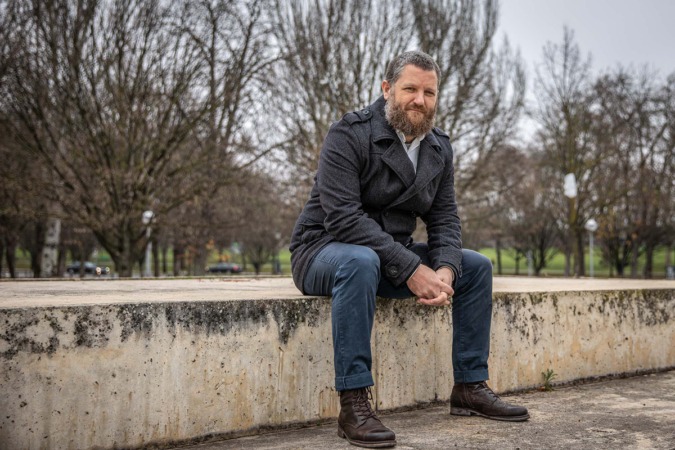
(351, 274)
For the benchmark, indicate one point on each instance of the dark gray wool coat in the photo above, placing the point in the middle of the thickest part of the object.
(366, 192)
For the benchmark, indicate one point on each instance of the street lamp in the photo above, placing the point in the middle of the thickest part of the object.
(148, 216)
(570, 186)
(591, 227)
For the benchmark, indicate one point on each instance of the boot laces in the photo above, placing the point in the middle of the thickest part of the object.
(489, 391)
(362, 403)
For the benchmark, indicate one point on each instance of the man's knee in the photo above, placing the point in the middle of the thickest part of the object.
(359, 271)
(363, 259)
(476, 263)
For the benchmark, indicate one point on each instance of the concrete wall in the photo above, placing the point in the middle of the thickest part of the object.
(125, 375)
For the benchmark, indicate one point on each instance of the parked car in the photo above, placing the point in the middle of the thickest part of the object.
(224, 267)
(89, 269)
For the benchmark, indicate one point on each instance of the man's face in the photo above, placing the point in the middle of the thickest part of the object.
(411, 101)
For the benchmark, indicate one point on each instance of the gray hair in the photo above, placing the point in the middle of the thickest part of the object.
(417, 59)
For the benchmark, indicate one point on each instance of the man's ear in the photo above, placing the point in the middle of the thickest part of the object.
(386, 87)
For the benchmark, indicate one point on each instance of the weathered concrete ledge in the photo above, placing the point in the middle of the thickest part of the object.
(111, 364)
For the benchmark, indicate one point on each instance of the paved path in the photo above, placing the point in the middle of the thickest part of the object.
(631, 413)
(102, 291)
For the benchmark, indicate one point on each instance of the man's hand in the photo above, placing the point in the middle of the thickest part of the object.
(446, 275)
(429, 287)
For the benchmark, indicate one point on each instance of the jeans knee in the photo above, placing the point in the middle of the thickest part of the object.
(362, 267)
(476, 263)
(483, 264)
(363, 259)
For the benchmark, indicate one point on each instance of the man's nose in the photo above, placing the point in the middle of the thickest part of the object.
(419, 98)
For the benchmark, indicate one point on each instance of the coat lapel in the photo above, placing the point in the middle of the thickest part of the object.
(429, 165)
(396, 158)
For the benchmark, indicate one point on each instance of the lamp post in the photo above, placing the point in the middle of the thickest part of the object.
(148, 216)
(570, 190)
(591, 227)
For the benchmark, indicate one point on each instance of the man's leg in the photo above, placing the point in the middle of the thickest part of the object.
(351, 274)
(471, 319)
(471, 313)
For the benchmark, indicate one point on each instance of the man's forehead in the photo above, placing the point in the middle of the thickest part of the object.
(411, 73)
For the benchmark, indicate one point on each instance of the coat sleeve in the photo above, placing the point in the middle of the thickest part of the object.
(444, 228)
(338, 180)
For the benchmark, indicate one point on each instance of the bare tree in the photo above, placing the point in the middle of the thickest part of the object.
(533, 224)
(111, 97)
(103, 98)
(566, 137)
(231, 41)
(482, 87)
(266, 221)
(333, 58)
(634, 189)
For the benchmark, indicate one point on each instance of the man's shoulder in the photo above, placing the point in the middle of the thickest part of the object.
(359, 116)
(438, 132)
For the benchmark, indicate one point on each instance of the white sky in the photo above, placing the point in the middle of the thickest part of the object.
(626, 32)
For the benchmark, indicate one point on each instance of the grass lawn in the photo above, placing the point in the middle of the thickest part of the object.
(555, 268)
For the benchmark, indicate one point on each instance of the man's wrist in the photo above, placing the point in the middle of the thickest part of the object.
(452, 270)
(414, 272)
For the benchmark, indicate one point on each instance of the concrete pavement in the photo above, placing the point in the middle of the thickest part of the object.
(629, 413)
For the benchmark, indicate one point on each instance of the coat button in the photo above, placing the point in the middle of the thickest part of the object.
(366, 111)
(392, 271)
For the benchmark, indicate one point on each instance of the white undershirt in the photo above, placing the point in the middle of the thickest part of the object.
(412, 149)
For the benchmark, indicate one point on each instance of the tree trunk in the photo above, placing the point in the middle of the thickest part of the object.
(517, 260)
(36, 253)
(165, 251)
(498, 251)
(178, 255)
(2, 255)
(125, 259)
(568, 263)
(199, 262)
(579, 259)
(10, 253)
(649, 261)
(155, 258)
(634, 259)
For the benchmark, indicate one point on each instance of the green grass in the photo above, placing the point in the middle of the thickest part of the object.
(555, 268)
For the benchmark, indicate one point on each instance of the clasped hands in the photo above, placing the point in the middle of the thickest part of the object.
(432, 288)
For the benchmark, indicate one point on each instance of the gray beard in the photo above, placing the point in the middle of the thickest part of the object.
(398, 118)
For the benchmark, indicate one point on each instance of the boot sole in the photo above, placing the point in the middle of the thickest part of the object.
(382, 444)
(456, 411)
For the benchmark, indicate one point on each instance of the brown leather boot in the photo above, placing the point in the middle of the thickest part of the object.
(478, 399)
(358, 423)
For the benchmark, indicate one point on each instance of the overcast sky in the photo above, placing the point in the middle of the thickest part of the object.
(627, 32)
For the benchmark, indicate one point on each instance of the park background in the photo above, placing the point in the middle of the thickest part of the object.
(211, 114)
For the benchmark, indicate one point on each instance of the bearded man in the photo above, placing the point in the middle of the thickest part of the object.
(380, 169)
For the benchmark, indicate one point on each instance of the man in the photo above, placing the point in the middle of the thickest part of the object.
(380, 168)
